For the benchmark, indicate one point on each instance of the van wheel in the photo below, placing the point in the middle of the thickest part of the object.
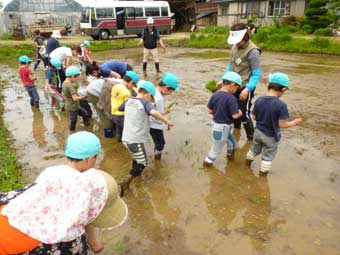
(104, 34)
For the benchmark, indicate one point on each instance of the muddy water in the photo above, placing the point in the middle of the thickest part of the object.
(178, 207)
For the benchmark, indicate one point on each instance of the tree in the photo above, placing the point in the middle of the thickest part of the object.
(317, 15)
(334, 8)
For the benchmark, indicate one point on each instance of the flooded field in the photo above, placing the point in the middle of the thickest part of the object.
(179, 207)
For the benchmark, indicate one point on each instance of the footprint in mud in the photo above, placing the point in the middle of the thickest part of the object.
(332, 177)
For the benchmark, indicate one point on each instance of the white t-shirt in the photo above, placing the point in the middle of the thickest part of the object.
(159, 106)
(61, 53)
(95, 87)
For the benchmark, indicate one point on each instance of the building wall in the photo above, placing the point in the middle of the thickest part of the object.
(234, 15)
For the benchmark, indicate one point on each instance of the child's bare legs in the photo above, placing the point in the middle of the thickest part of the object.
(93, 241)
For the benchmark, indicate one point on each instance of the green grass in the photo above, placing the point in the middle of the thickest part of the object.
(6, 36)
(10, 52)
(9, 166)
(113, 44)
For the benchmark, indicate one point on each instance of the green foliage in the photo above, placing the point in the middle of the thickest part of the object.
(320, 43)
(214, 30)
(114, 44)
(211, 85)
(289, 21)
(323, 32)
(9, 166)
(6, 36)
(8, 51)
(317, 15)
(307, 29)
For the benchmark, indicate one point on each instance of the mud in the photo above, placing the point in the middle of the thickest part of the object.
(179, 207)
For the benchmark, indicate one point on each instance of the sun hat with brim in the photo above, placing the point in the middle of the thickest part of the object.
(24, 59)
(56, 34)
(236, 36)
(133, 75)
(232, 77)
(72, 71)
(279, 78)
(56, 63)
(82, 145)
(149, 21)
(149, 87)
(170, 80)
(115, 211)
(86, 43)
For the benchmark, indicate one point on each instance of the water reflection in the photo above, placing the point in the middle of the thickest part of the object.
(38, 128)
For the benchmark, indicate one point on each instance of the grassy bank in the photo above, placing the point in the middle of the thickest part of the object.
(9, 166)
(10, 51)
(269, 38)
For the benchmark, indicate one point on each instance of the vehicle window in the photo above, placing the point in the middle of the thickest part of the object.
(139, 12)
(165, 12)
(104, 13)
(152, 11)
(130, 12)
(85, 15)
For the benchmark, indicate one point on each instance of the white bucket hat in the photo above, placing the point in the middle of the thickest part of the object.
(56, 34)
(150, 20)
(236, 36)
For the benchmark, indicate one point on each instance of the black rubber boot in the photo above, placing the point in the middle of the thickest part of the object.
(249, 127)
(157, 67)
(144, 66)
(237, 123)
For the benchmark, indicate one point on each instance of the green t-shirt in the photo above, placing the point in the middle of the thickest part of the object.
(70, 89)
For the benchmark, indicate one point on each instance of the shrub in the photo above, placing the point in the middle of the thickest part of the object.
(323, 32)
(289, 21)
(214, 30)
(307, 29)
(192, 36)
(280, 38)
(317, 15)
(320, 43)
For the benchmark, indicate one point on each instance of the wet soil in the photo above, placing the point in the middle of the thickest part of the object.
(179, 207)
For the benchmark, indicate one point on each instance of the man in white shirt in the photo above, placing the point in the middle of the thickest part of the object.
(65, 54)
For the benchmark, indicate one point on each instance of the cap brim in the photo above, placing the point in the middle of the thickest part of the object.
(56, 36)
(236, 37)
(112, 216)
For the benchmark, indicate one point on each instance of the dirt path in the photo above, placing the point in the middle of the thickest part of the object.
(178, 207)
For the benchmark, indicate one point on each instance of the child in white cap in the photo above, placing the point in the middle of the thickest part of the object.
(224, 108)
(270, 114)
(58, 213)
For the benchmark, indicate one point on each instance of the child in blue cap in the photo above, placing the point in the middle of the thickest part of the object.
(28, 80)
(137, 128)
(119, 94)
(167, 85)
(224, 108)
(270, 114)
(70, 92)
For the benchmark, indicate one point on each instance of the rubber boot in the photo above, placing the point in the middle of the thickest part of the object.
(144, 66)
(108, 132)
(237, 123)
(125, 184)
(249, 127)
(157, 67)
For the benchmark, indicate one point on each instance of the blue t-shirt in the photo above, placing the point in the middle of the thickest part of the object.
(51, 45)
(224, 106)
(116, 66)
(268, 110)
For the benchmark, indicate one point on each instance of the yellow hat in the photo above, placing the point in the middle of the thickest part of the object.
(115, 211)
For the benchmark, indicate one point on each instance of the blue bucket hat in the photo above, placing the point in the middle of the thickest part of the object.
(232, 77)
(24, 59)
(149, 87)
(72, 71)
(279, 78)
(82, 145)
(171, 81)
(86, 43)
(133, 75)
(56, 63)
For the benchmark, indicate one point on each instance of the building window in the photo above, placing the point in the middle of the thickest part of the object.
(224, 10)
(277, 8)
